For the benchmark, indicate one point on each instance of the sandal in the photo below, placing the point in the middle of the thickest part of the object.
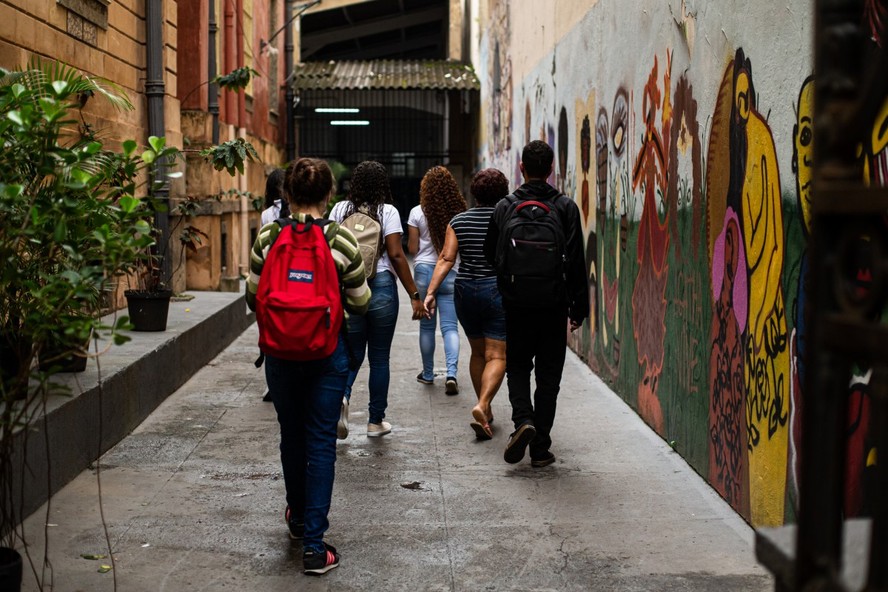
(482, 431)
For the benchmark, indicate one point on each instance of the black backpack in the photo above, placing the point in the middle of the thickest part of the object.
(531, 253)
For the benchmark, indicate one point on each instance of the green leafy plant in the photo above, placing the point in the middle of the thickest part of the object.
(77, 214)
(71, 222)
(236, 79)
(231, 155)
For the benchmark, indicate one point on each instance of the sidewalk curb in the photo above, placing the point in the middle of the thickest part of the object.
(137, 377)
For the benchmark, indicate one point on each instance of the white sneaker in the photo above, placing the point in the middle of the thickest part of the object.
(342, 424)
(375, 430)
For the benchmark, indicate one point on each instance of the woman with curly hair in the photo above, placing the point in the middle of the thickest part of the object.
(439, 200)
(479, 305)
(373, 333)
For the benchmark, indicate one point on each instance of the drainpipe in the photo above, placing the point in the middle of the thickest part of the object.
(213, 91)
(242, 133)
(229, 63)
(289, 97)
(155, 92)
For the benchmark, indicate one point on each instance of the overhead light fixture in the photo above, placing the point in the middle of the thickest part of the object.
(337, 110)
(349, 122)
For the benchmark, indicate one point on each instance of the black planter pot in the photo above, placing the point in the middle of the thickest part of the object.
(10, 570)
(148, 310)
(14, 355)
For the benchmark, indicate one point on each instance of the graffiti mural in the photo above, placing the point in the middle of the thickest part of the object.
(746, 181)
(649, 294)
(696, 245)
(500, 75)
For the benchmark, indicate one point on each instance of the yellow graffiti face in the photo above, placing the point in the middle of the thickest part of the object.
(804, 149)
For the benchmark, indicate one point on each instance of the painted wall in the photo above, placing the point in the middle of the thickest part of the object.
(683, 131)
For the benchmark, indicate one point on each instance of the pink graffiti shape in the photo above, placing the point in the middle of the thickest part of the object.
(720, 267)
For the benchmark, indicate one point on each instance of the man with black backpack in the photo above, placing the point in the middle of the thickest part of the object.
(535, 243)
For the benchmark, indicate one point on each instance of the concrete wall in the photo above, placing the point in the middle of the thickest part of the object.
(682, 129)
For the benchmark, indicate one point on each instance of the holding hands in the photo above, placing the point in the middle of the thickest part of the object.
(418, 309)
(429, 306)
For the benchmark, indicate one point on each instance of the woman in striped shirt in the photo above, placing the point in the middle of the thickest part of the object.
(307, 395)
(479, 306)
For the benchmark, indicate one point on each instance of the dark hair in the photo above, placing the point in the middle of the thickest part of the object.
(273, 187)
(308, 181)
(489, 186)
(369, 188)
(537, 158)
(441, 200)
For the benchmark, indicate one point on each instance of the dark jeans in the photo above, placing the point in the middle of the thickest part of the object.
(536, 338)
(307, 397)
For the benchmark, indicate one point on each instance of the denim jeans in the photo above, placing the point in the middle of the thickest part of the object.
(373, 333)
(307, 397)
(479, 308)
(446, 312)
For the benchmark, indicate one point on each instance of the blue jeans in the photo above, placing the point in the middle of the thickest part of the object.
(307, 397)
(446, 312)
(373, 333)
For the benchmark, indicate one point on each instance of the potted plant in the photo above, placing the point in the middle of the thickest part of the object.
(70, 222)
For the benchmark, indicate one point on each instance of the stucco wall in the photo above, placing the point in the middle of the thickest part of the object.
(674, 126)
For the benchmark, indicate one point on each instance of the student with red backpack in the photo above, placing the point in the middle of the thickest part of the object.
(304, 273)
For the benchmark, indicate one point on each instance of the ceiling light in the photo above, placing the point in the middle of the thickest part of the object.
(336, 110)
(349, 122)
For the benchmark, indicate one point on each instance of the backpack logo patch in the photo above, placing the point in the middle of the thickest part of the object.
(298, 275)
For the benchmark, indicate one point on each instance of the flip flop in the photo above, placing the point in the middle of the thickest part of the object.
(480, 432)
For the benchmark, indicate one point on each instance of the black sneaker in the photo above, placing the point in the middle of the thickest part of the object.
(317, 564)
(518, 442)
(419, 378)
(544, 460)
(297, 529)
(451, 387)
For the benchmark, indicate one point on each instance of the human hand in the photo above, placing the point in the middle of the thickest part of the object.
(429, 306)
(418, 309)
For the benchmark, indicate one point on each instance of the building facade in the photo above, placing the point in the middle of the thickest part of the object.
(109, 39)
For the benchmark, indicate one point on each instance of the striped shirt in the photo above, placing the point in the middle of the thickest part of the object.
(471, 230)
(346, 256)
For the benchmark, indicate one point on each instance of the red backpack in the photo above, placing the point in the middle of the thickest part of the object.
(298, 301)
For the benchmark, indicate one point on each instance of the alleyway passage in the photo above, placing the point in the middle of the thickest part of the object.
(194, 498)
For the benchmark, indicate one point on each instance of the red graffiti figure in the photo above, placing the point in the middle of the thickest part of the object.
(649, 295)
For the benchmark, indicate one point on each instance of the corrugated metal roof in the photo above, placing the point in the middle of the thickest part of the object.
(385, 74)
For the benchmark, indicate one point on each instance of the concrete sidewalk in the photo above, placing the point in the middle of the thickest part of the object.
(193, 498)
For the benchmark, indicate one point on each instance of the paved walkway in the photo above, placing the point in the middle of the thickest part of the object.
(193, 498)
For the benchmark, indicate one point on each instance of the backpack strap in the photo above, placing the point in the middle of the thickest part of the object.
(532, 202)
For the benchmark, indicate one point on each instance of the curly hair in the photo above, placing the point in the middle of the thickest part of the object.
(441, 200)
(369, 189)
(307, 181)
(489, 186)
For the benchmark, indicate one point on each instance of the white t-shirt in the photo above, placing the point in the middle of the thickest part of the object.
(271, 214)
(426, 252)
(391, 224)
